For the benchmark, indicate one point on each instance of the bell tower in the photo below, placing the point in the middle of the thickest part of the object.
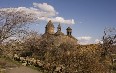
(49, 28)
(69, 31)
(59, 27)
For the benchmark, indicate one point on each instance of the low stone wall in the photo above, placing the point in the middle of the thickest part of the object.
(27, 61)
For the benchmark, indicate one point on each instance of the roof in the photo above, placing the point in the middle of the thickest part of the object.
(50, 24)
(68, 28)
(59, 26)
(72, 37)
(59, 33)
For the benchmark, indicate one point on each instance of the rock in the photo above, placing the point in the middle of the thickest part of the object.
(24, 64)
(58, 69)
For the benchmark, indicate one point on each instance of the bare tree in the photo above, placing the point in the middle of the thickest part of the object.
(12, 20)
(109, 39)
(31, 43)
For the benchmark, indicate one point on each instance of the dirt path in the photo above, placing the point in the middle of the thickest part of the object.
(22, 69)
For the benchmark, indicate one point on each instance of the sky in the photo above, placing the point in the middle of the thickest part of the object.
(87, 18)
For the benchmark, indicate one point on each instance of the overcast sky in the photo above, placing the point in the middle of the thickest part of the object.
(87, 18)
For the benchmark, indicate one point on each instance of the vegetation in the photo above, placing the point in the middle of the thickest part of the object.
(12, 21)
(6, 63)
(65, 58)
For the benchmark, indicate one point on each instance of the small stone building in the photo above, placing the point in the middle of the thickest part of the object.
(58, 37)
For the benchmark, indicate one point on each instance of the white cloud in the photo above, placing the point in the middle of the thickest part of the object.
(22, 9)
(45, 7)
(62, 20)
(43, 11)
(46, 10)
(49, 12)
(58, 19)
(35, 11)
(84, 40)
(98, 41)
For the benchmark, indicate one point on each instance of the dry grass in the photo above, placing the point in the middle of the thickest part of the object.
(6, 63)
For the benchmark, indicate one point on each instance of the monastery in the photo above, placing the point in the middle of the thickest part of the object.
(58, 37)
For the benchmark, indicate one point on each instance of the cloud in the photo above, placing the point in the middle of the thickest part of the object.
(46, 10)
(45, 7)
(98, 41)
(49, 13)
(59, 20)
(43, 11)
(84, 40)
(22, 9)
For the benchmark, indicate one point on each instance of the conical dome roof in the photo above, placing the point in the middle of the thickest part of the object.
(68, 28)
(50, 24)
(59, 26)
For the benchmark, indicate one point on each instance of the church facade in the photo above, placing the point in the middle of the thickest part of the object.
(58, 37)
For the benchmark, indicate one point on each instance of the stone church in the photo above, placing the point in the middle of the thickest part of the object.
(58, 37)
